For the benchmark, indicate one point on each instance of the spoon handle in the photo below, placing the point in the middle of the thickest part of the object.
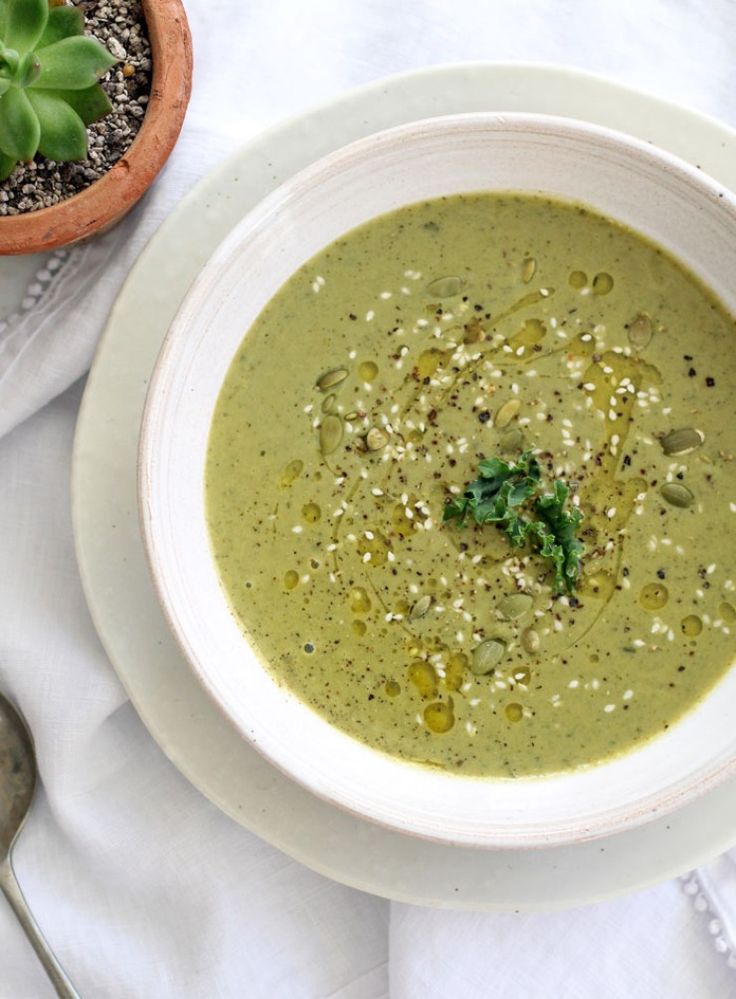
(11, 890)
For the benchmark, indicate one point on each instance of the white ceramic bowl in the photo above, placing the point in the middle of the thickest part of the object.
(661, 197)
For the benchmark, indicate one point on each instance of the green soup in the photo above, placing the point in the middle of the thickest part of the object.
(364, 397)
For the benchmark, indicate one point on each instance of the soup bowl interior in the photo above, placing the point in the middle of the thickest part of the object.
(658, 196)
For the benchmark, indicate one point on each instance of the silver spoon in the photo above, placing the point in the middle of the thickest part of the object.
(17, 784)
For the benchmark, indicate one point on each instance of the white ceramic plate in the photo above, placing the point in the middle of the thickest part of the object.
(174, 707)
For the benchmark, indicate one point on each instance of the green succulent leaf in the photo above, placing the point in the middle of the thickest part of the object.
(28, 70)
(25, 21)
(7, 164)
(19, 127)
(63, 135)
(63, 22)
(4, 85)
(72, 64)
(9, 61)
(90, 104)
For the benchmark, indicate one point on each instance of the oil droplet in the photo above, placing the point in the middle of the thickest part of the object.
(727, 613)
(602, 283)
(531, 332)
(368, 371)
(653, 596)
(373, 551)
(291, 472)
(311, 513)
(360, 602)
(513, 712)
(455, 668)
(578, 279)
(439, 717)
(402, 524)
(424, 678)
(691, 626)
(360, 627)
(393, 689)
(428, 362)
(291, 578)
(599, 585)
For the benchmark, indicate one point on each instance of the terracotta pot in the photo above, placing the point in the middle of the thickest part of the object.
(108, 199)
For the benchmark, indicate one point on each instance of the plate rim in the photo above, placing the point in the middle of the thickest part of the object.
(263, 140)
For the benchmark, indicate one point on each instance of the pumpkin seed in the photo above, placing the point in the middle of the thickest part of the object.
(420, 608)
(530, 640)
(640, 331)
(328, 403)
(330, 434)
(506, 413)
(677, 495)
(352, 415)
(331, 378)
(515, 605)
(681, 441)
(445, 287)
(528, 269)
(487, 656)
(375, 439)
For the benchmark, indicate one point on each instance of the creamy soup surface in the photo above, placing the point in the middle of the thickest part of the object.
(361, 402)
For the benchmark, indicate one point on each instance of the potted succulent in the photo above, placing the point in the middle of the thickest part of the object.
(63, 177)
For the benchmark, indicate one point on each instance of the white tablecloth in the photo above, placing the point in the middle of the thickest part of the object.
(143, 888)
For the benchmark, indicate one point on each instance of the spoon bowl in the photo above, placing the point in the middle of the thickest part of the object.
(18, 774)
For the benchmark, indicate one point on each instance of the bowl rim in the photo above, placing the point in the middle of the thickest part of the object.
(607, 822)
(99, 206)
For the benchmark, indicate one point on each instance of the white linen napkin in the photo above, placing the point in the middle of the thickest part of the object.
(145, 890)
